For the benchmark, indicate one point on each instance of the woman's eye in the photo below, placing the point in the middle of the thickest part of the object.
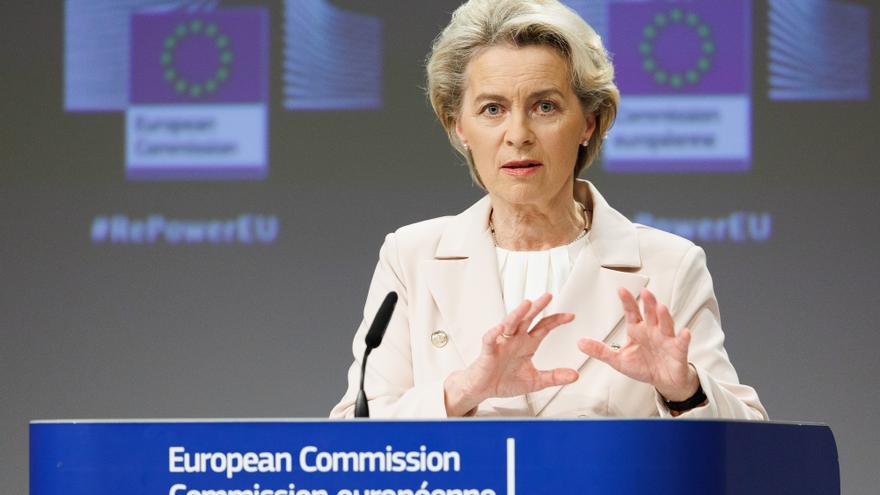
(492, 109)
(546, 107)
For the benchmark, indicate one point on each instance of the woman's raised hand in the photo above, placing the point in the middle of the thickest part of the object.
(653, 352)
(504, 367)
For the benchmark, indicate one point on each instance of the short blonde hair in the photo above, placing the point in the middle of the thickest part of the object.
(479, 24)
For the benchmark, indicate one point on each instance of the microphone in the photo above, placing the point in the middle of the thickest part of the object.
(373, 339)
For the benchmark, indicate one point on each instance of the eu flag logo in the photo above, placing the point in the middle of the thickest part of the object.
(205, 57)
(198, 97)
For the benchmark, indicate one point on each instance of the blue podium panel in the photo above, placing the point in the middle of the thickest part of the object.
(461, 457)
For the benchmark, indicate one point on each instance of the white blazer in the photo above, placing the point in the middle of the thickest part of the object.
(446, 275)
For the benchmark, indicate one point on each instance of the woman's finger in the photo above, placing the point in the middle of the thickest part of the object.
(512, 320)
(667, 324)
(685, 336)
(630, 307)
(490, 339)
(549, 323)
(538, 305)
(555, 378)
(600, 351)
(650, 305)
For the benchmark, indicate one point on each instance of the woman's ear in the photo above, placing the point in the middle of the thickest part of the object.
(460, 134)
(590, 129)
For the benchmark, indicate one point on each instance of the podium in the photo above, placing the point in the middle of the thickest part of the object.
(455, 457)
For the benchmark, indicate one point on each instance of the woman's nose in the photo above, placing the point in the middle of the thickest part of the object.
(519, 132)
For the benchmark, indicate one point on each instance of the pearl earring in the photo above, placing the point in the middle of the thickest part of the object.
(465, 145)
(585, 143)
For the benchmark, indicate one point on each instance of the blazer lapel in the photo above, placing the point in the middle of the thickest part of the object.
(606, 263)
(463, 279)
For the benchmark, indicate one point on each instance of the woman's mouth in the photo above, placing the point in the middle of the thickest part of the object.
(521, 168)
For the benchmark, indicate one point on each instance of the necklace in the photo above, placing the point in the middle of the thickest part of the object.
(579, 237)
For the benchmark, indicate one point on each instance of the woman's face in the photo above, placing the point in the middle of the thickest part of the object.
(523, 123)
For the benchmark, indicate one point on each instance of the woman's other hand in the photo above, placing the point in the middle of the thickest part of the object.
(653, 352)
(504, 367)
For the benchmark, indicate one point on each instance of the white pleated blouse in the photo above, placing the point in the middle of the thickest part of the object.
(529, 274)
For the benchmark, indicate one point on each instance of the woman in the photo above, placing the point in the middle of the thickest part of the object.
(525, 92)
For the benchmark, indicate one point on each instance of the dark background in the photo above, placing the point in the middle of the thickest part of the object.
(159, 331)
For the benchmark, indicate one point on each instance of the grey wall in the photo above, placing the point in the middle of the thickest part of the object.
(109, 331)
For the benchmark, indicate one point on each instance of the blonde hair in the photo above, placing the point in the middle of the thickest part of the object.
(479, 24)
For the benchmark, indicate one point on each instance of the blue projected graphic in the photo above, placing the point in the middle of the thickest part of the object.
(96, 49)
(684, 72)
(191, 78)
(819, 50)
(738, 227)
(155, 228)
(332, 57)
(198, 104)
